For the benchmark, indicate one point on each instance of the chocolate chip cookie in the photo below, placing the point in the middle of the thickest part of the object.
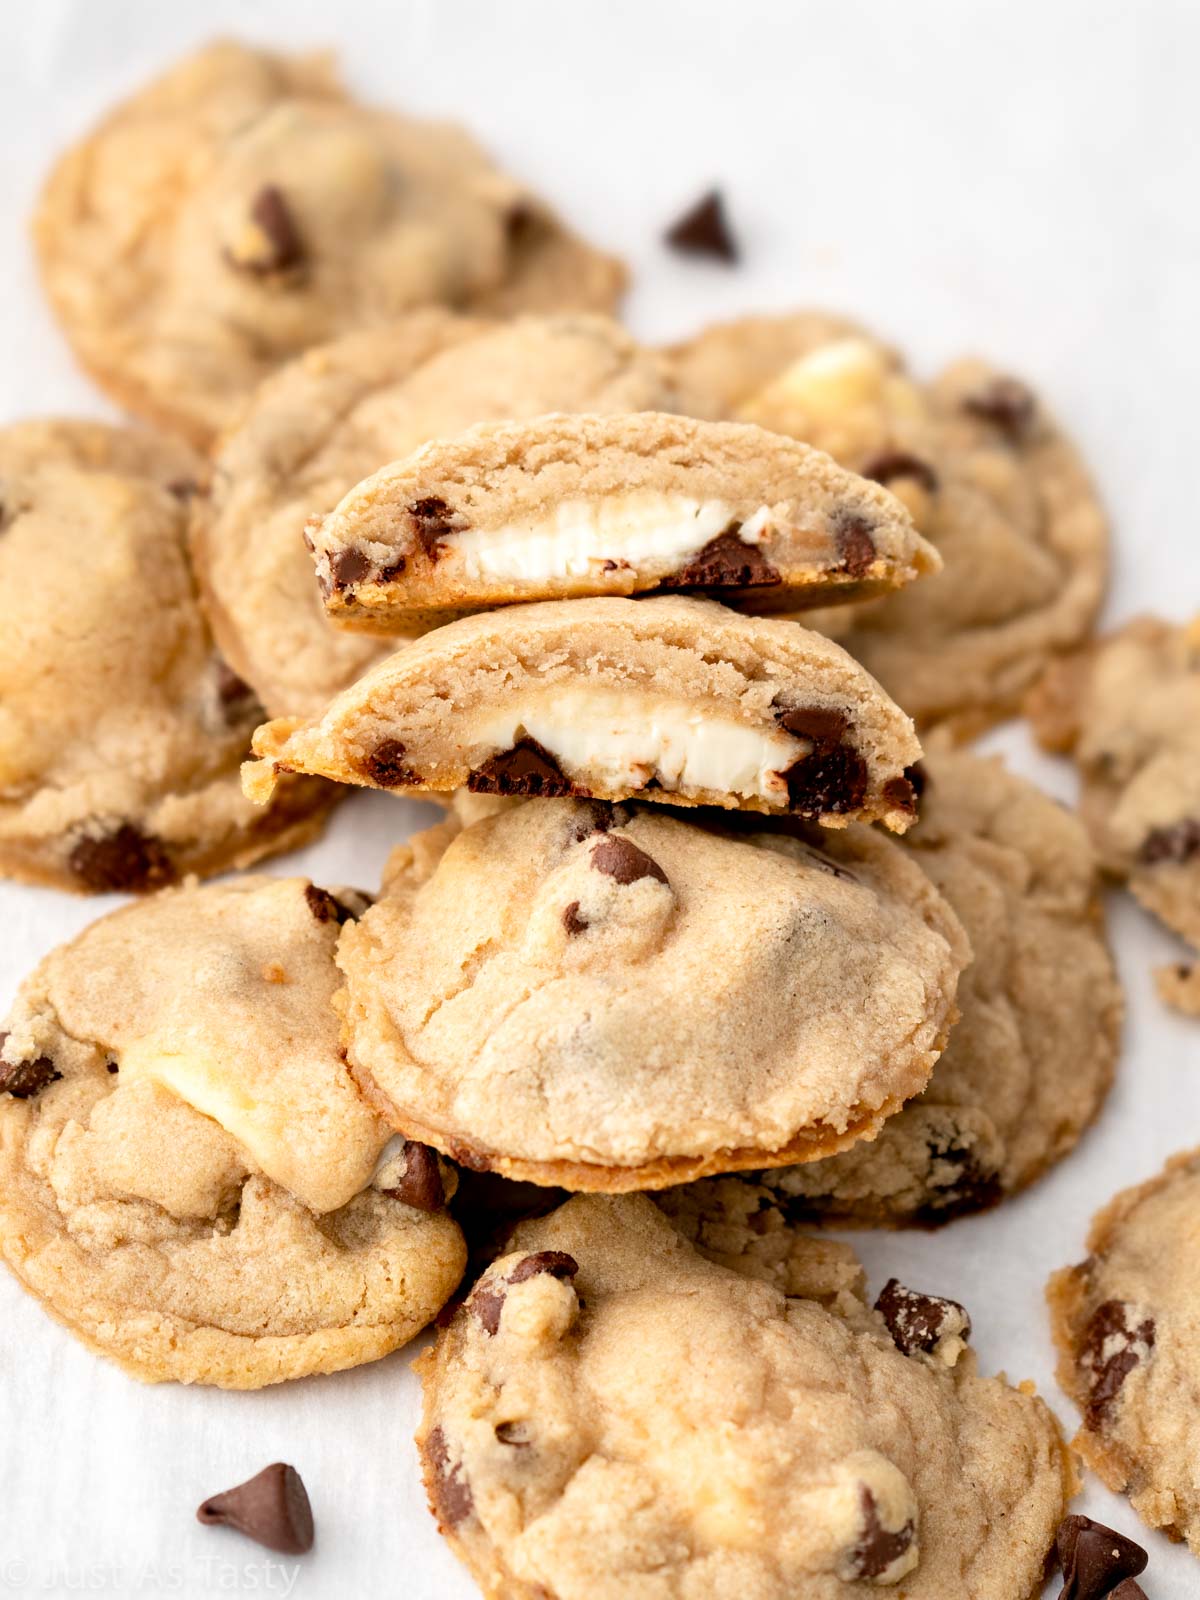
(333, 416)
(617, 998)
(1125, 1326)
(672, 699)
(243, 207)
(189, 1179)
(1128, 710)
(988, 477)
(609, 1415)
(560, 507)
(1029, 1061)
(121, 727)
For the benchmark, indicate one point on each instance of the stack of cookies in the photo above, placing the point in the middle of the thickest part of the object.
(706, 950)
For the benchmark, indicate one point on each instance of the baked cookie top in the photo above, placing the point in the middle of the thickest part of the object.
(1126, 1329)
(191, 1181)
(559, 507)
(614, 998)
(1031, 1057)
(330, 418)
(243, 207)
(121, 728)
(989, 479)
(608, 1415)
(1128, 709)
(672, 699)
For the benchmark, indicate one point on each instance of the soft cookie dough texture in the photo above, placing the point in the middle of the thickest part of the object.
(189, 1178)
(560, 507)
(121, 728)
(1126, 1326)
(243, 207)
(1128, 709)
(673, 698)
(610, 1417)
(616, 998)
(988, 477)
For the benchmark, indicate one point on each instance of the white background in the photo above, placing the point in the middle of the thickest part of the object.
(1016, 178)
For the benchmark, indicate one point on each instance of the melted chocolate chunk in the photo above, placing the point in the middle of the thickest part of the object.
(1175, 844)
(725, 563)
(23, 1079)
(878, 1547)
(125, 861)
(450, 1497)
(889, 465)
(855, 545)
(827, 781)
(432, 520)
(1094, 1559)
(620, 858)
(1007, 403)
(1111, 1330)
(421, 1185)
(285, 248)
(326, 907)
(572, 921)
(385, 765)
(526, 769)
(272, 1508)
(703, 230)
(917, 1322)
(348, 567)
(556, 1262)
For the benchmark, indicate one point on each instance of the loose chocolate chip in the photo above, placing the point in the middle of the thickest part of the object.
(1006, 402)
(421, 1185)
(855, 545)
(917, 1322)
(1176, 844)
(126, 861)
(556, 1262)
(703, 230)
(526, 769)
(620, 858)
(899, 792)
(23, 1079)
(725, 563)
(285, 248)
(572, 921)
(1112, 1330)
(432, 521)
(878, 1547)
(823, 726)
(271, 1508)
(827, 781)
(450, 1497)
(513, 1433)
(385, 765)
(1094, 1559)
(889, 465)
(348, 567)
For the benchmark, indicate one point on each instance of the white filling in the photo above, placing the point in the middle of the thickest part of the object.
(656, 531)
(624, 740)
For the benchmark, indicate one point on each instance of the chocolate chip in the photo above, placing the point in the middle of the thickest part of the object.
(348, 567)
(725, 563)
(1176, 844)
(526, 769)
(284, 246)
(852, 535)
(917, 1322)
(972, 1188)
(823, 726)
(572, 921)
(703, 230)
(827, 781)
(126, 861)
(486, 1304)
(891, 464)
(234, 693)
(1130, 1589)
(272, 1508)
(385, 765)
(432, 521)
(522, 225)
(1111, 1328)
(183, 488)
(1094, 1559)
(918, 777)
(421, 1184)
(899, 792)
(556, 1262)
(450, 1497)
(23, 1079)
(620, 858)
(111, 1066)
(1006, 402)
(878, 1547)
(513, 1433)
(325, 906)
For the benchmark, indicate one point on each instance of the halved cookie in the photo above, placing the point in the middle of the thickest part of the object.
(621, 998)
(674, 699)
(565, 506)
(189, 1178)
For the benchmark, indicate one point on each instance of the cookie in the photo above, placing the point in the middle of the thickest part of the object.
(620, 997)
(608, 1415)
(989, 479)
(676, 699)
(325, 421)
(1029, 1061)
(1125, 1326)
(121, 727)
(1128, 709)
(189, 1179)
(243, 207)
(560, 507)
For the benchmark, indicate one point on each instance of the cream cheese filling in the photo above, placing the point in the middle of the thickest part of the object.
(658, 532)
(624, 740)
